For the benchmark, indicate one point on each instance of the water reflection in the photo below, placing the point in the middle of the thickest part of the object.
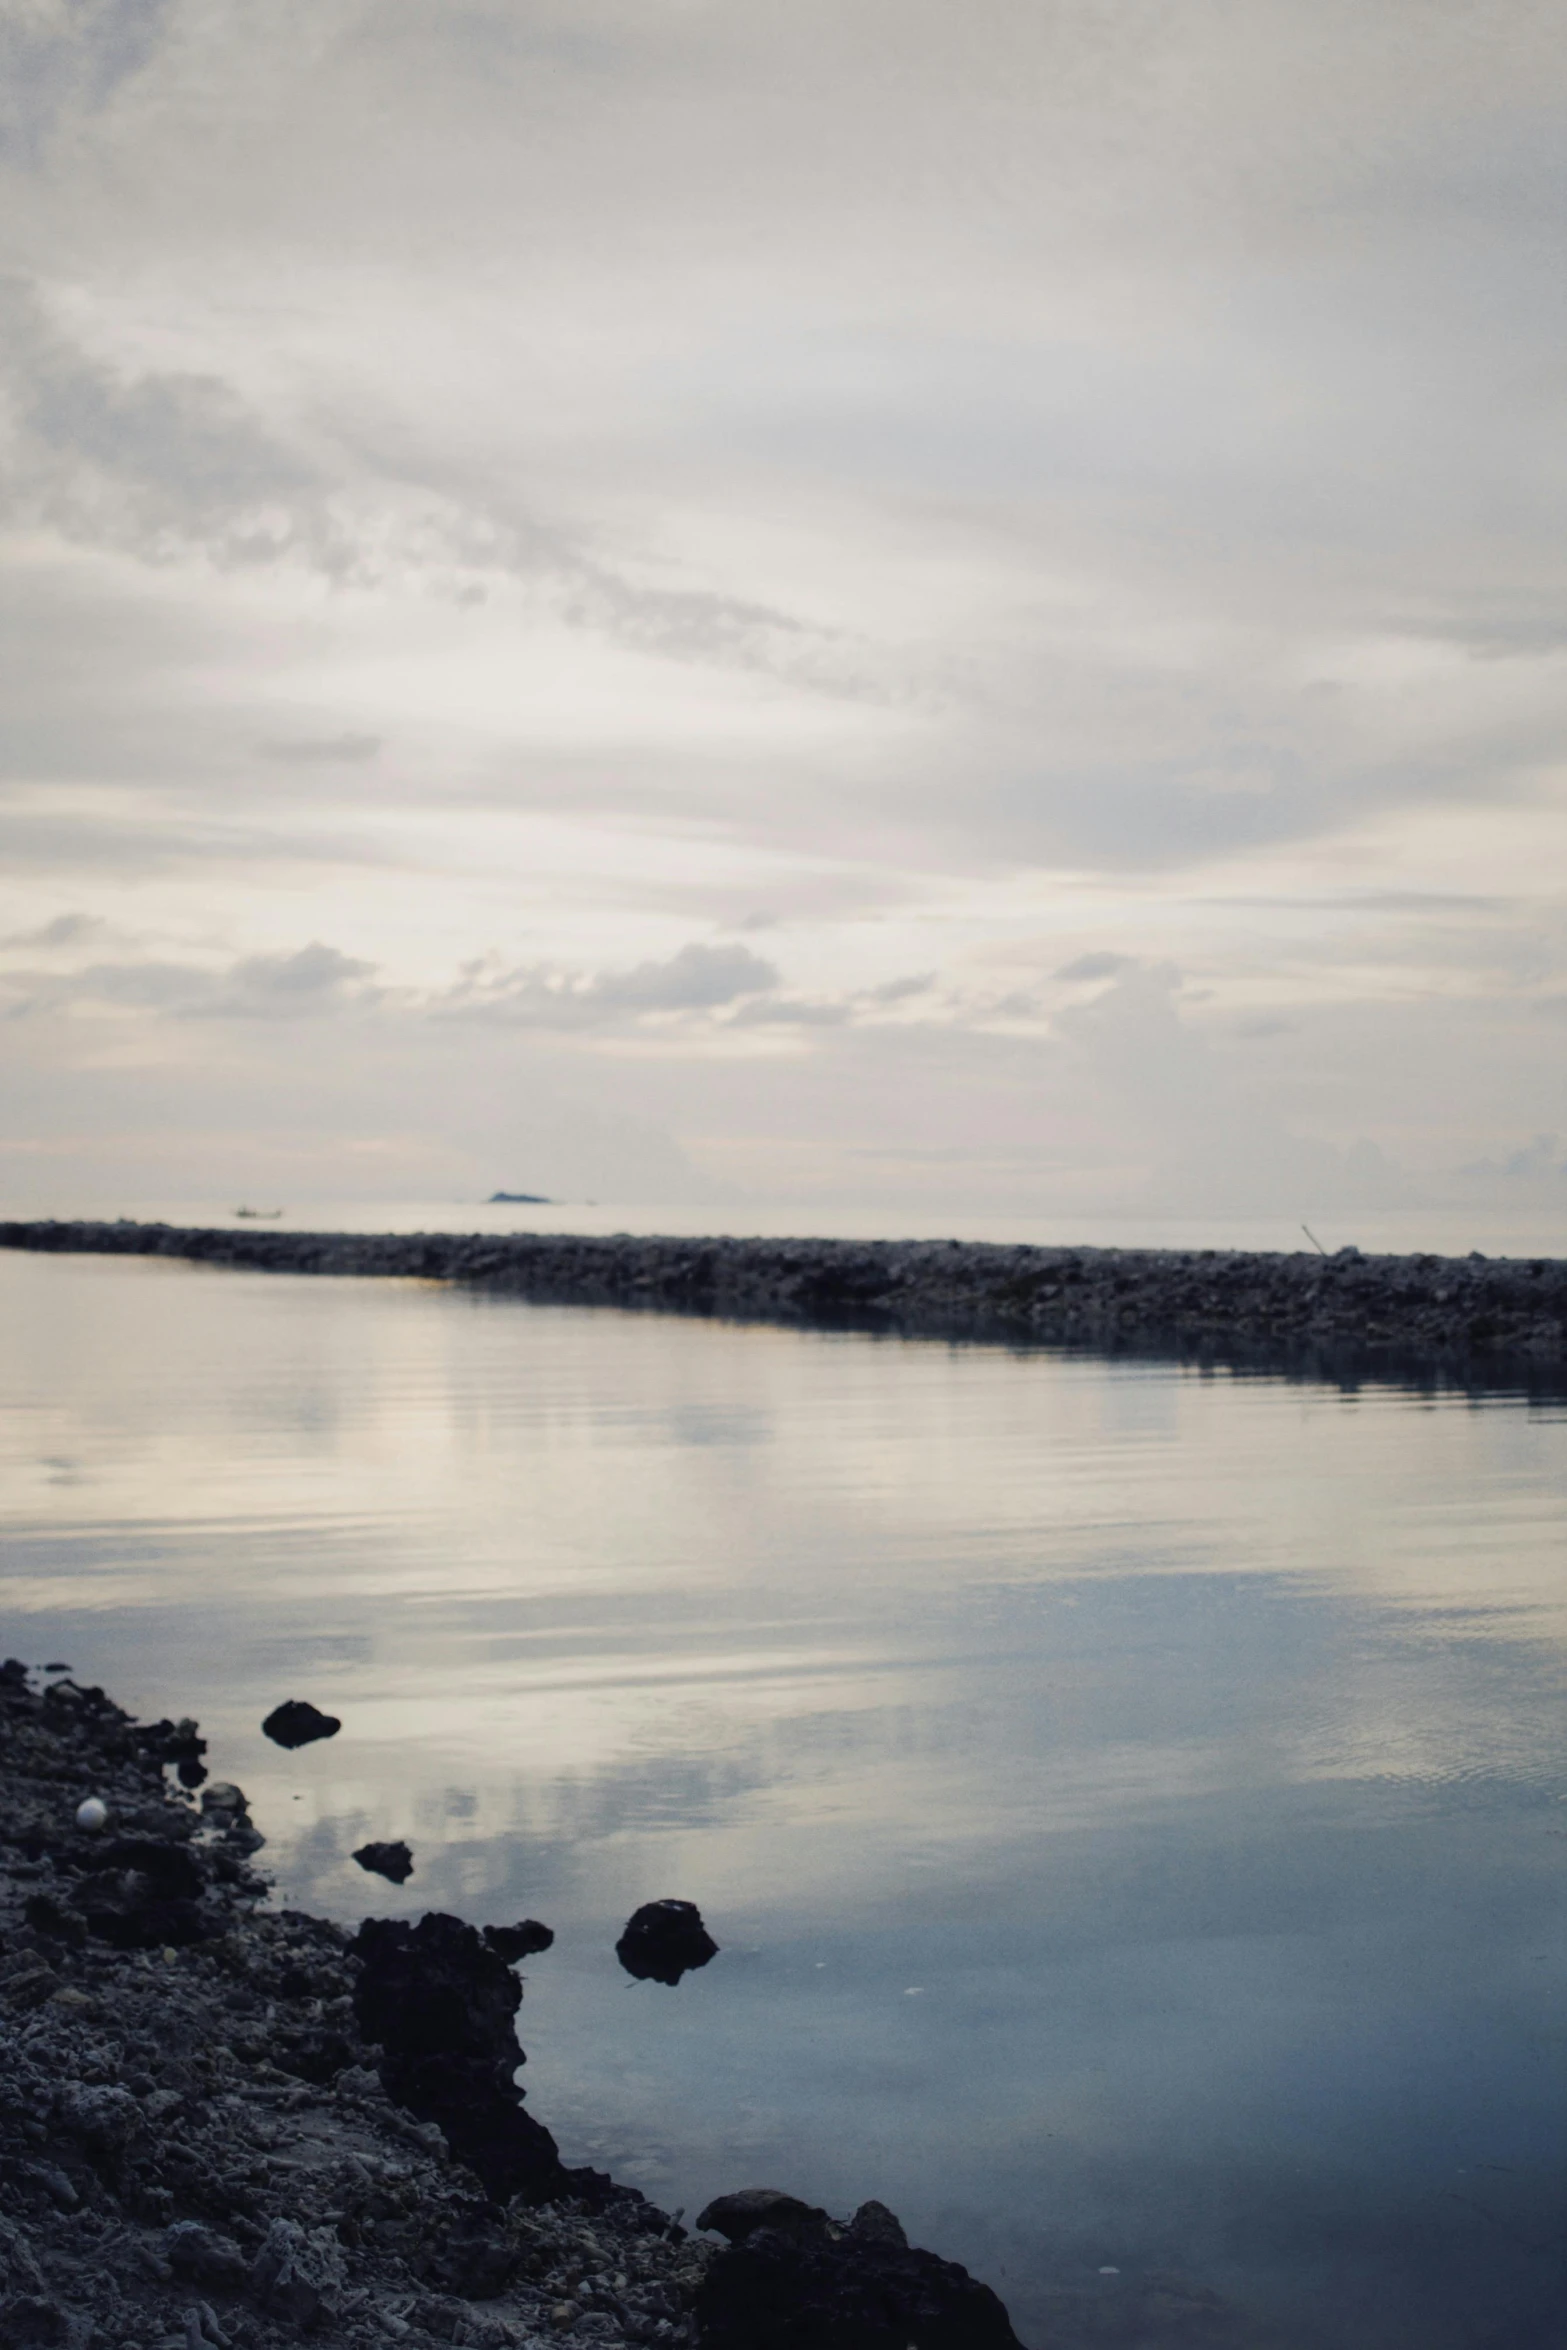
(1131, 1804)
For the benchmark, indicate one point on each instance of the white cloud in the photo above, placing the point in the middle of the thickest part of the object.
(1035, 499)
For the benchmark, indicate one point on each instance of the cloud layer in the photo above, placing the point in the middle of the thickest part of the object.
(1048, 519)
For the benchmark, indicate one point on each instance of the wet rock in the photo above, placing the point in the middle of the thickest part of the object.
(772, 2291)
(296, 1722)
(524, 1940)
(664, 1940)
(441, 2006)
(393, 1861)
(739, 2215)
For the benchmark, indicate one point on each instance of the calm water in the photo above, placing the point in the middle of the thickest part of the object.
(1133, 1805)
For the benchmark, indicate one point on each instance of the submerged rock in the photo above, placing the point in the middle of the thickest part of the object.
(664, 1940)
(296, 1722)
(524, 1940)
(393, 1861)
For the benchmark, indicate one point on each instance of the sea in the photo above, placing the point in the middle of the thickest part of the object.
(1130, 1799)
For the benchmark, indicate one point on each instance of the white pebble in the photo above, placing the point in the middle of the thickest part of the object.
(94, 1813)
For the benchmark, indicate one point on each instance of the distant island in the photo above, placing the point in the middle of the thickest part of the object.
(518, 1199)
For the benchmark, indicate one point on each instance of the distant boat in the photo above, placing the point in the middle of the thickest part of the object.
(518, 1199)
(258, 1215)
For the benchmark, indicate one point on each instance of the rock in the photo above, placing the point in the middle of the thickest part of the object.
(298, 1723)
(143, 1895)
(104, 2119)
(749, 2208)
(520, 1941)
(31, 2317)
(664, 1940)
(223, 1801)
(875, 2224)
(204, 2256)
(774, 2292)
(93, 1814)
(295, 2275)
(47, 1916)
(393, 1861)
(441, 2005)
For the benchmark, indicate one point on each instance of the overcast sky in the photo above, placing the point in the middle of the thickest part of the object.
(950, 606)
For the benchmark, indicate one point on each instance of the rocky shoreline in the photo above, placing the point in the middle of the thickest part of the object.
(225, 2127)
(1325, 1316)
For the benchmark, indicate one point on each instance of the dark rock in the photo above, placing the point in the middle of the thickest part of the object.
(314, 2053)
(519, 1941)
(873, 2223)
(665, 1940)
(296, 1722)
(771, 2291)
(224, 1801)
(47, 1916)
(393, 1861)
(204, 2256)
(441, 2005)
(31, 2317)
(739, 2215)
(287, 2276)
(142, 1894)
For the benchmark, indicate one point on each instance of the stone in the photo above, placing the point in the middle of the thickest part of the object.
(223, 1801)
(774, 2292)
(393, 1861)
(204, 2256)
(523, 1940)
(441, 2005)
(749, 2208)
(664, 1940)
(875, 2224)
(93, 1814)
(296, 1722)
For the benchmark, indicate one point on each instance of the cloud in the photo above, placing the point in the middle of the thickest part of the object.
(698, 978)
(351, 750)
(311, 982)
(66, 930)
(154, 464)
(1103, 965)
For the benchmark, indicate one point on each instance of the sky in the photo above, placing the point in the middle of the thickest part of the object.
(942, 609)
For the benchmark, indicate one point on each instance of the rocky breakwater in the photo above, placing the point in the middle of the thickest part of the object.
(1322, 1312)
(227, 2127)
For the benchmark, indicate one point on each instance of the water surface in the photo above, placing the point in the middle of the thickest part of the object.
(1132, 1803)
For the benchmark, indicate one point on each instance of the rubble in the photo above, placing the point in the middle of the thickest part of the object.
(1340, 1316)
(198, 2146)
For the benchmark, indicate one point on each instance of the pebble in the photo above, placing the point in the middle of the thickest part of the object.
(93, 1814)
